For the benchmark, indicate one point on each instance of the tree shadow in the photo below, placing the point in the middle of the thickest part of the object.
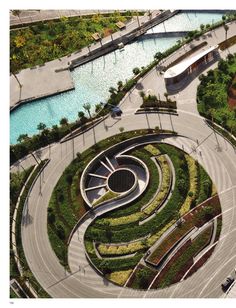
(105, 281)
(27, 219)
(139, 86)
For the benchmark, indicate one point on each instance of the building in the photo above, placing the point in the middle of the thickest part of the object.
(186, 67)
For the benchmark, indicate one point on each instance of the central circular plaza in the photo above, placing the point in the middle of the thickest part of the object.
(121, 180)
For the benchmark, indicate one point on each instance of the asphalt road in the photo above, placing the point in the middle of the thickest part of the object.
(217, 157)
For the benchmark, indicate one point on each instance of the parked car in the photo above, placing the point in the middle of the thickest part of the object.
(227, 283)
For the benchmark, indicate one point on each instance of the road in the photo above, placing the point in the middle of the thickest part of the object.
(217, 157)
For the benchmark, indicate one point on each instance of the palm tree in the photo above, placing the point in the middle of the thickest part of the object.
(120, 85)
(226, 27)
(82, 117)
(17, 13)
(89, 48)
(98, 108)
(202, 27)
(22, 138)
(41, 126)
(87, 107)
(64, 121)
(158, 56)
(112, 36)
(142, 95)
(112, 90)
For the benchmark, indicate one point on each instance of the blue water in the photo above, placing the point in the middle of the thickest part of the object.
(93, 80)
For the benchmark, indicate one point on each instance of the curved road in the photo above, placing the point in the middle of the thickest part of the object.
(217, 157)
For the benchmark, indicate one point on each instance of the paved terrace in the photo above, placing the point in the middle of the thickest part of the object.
(54, 76)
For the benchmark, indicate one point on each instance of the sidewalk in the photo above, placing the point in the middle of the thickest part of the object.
(32, 16)
(45, 80)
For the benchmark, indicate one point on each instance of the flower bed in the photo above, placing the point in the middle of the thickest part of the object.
(109, 195)
(119, 277)
(141, 277)
(165, 186)
(169, 242)
(183, 260)
(193, 183)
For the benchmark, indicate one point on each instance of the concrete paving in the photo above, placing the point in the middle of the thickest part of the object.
(31, 16)
(48, 79)
(39, 82)
(215, 154)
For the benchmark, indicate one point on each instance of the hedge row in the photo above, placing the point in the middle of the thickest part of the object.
(165, 186)
(157, 222)
(185, 260)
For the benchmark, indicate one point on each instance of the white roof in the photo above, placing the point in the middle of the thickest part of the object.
(182, 66)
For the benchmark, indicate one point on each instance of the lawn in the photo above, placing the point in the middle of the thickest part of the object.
(45, 41)
(212, 94)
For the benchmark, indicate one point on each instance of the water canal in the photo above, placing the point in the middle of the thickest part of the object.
(93, 80)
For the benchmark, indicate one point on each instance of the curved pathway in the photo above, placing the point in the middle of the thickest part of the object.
(215, 154)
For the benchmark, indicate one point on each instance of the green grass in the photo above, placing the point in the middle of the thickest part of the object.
(205, 186)
(13, 294)
(141, 278)
(212, 94)
(49, 40)
(109, 195)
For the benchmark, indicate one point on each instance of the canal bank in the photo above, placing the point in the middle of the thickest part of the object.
(93, 80)
(54, 77)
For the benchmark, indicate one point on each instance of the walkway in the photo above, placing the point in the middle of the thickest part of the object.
(217, 157)
(54, 76)
(31, 16)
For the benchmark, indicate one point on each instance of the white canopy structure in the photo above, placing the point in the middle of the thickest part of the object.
(185, 67)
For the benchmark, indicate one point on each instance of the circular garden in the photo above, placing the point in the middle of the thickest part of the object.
(162, 237)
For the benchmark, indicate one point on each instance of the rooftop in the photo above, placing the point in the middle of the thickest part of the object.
(183, 65)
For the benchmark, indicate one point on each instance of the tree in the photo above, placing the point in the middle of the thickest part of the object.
(136, 71)
(223, 66)
(60, 232)
(22, 138)
(87, 107)
(142, 94)
(112, 90)
(158, 56)
(64, 121)
(41, 126)
(121, 129)
(166, 95)
(98, 108)
(142, 277)
(226, 27)
(17, 13)
(120, 85)
(82, 117)
(202, 27)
